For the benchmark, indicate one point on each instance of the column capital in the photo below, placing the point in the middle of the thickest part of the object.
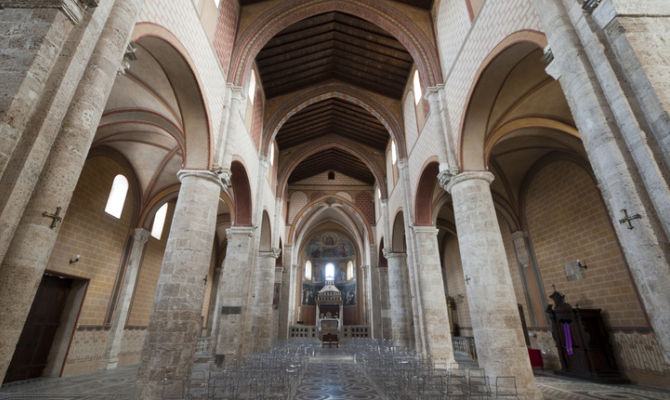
(519, 235)
(219, 176)
(469, 175)
(273, 253)
(239, 231)
(445, 176)
(429, 230)
(433, 93)
(74, 9)
(237, 92)
(392, 254)
(141, 235)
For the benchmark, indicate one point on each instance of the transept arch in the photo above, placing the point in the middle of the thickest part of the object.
(325, 143)
(257, 34)
(330, 90)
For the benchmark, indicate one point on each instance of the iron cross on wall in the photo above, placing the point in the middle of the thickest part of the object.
(626, 219)
(55, 218)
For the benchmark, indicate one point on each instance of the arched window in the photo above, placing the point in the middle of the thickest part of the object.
(394, 153)
(252, 87)
(159, 222)
(416, 87)
(117, 196)
(272, 153)
(330, 272)
(350, 270)
(308, 270)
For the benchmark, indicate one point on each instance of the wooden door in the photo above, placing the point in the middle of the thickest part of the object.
(32, 350)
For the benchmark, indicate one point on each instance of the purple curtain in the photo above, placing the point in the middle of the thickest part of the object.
(568, 338)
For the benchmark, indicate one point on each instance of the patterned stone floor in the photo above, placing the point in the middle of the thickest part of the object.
(327, 378)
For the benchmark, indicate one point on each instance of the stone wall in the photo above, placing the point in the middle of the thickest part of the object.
(576, 226)
(99, 238)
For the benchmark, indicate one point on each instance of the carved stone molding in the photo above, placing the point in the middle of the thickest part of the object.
(141, 235)
(239, 230)
(466, 176)
(74, 9)
(219, 177)
(390, 254)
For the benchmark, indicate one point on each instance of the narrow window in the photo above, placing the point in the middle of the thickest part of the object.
(330, 272)
(417, 88)
(272, 153)
(394, 153)
(117, 196)
(159, 222)
(308, 270)
(331, 176)
(350, 270)
(379, 194)
(252, 87)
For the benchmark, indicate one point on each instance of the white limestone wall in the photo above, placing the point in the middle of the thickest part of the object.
(496, 21)
(452, 23)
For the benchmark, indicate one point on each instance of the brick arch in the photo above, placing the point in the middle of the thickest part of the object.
(266, 26)
(341, 91)
(241, 194)
(325, 143)
(180, 69)
(423, 201)
(482, 95)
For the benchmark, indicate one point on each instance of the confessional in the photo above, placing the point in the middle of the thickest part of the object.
(583, 343)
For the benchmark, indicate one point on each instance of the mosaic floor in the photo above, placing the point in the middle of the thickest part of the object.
(327, 378)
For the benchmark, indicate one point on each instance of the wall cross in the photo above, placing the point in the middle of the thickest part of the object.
(626, 218)
(55, 218)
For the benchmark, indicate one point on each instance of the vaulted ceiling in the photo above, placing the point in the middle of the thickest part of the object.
(425, 4)
(332, 159)
(333, 116)
(334, 46)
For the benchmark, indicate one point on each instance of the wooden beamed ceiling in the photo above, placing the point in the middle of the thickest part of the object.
(332, 160)
(334, 46)
(333, 116)
(425, 4)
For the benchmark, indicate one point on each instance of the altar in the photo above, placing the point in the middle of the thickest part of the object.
(329, 314)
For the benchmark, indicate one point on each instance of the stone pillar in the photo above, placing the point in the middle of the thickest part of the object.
(364, 300)
(261, 328)
(385, 304)
(535, 295)
(113, 345)
(234, 294)
(622, 187)
(434, 301)
(399, 298)
(279, 278)
(501, 347)
(24, 263)
(176, 316)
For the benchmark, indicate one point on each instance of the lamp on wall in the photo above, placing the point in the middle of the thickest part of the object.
(75, 259)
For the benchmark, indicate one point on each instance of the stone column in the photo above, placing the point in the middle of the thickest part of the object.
(399, 298)
(434, 300)
(279, 278)
(234, 295)
(113, 345)
(622, 187)
(24, 263)
(501, 347)
(364, 300)
(535, 295)
(385, 303)
(176, 316)
(261, 328)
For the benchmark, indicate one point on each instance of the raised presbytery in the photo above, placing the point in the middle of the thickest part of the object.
(217, 199)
